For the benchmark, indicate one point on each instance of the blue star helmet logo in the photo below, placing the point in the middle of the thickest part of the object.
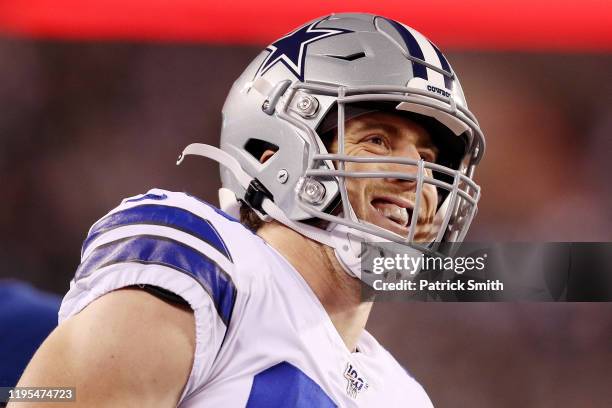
(291, 49)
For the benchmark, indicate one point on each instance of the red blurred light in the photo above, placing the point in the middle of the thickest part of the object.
(532, 25)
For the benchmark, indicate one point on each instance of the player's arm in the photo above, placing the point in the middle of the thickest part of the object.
(126, 349)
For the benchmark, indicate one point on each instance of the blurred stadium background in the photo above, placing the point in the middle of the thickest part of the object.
(98, 98)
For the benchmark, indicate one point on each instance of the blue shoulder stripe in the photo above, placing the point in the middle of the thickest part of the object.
(148, 196)
(167, 252)
(156, 214)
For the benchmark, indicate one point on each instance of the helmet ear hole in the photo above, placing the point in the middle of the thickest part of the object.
(266, 155)
(261, 150)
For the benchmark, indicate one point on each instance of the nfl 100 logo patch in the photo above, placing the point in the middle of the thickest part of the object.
(355, 382)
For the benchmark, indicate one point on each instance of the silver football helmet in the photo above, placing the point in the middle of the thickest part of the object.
(326, 72)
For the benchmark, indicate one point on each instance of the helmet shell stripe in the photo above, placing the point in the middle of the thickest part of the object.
(448, 80)
(414, 49)
(430, 56)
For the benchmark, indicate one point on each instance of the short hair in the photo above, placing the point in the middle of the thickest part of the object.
(249, 218)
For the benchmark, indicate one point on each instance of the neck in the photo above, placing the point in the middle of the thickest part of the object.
(339, 293)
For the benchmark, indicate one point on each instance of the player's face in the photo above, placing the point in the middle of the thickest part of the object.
(388, 202)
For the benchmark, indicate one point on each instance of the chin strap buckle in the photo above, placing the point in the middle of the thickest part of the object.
(255, 195)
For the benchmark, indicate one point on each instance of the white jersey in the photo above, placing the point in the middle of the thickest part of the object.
(263, 339)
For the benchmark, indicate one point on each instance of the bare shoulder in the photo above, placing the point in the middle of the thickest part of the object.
(126, 348)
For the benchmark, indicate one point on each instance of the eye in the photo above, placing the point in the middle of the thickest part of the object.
(428, 155)
(376, 139)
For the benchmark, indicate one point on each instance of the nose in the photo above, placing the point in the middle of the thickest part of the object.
(410, 170)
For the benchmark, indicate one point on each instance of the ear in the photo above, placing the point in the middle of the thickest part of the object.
(266, 155)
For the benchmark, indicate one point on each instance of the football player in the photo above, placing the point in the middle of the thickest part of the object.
(349, 131)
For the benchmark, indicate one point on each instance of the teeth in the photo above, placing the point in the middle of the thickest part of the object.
(395, 213)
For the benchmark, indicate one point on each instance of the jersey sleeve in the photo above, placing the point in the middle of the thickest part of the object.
(168, 240)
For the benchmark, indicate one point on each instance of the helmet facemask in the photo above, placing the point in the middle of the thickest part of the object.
(448, 180)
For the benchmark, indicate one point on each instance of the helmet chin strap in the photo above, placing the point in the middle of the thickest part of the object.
(345, 241)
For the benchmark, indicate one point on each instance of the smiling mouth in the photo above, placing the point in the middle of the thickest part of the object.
(395, 212)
